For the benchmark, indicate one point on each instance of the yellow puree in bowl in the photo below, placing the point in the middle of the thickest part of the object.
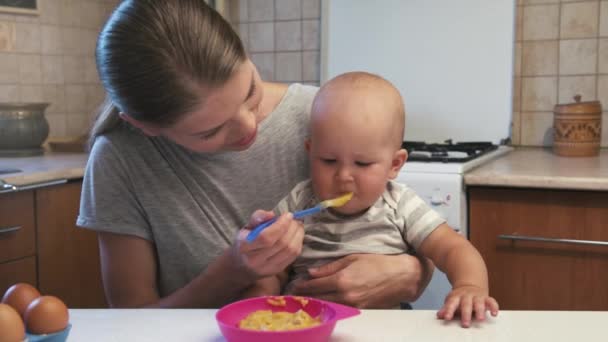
(266, 320)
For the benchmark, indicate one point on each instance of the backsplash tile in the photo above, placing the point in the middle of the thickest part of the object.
(538, 93)
(539, 58)
(578, 56)
(540, 22)
(569, 86)
(579, 20)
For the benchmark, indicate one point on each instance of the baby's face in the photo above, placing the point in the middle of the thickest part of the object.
(352, 153)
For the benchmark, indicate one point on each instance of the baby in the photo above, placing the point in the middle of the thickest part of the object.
(357, 125)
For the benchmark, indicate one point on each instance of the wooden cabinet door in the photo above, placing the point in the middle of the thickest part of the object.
(17, 271)
(541, 275)
(68, 257)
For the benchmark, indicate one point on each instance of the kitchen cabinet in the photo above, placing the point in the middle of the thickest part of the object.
(42, 246)
(539, 274)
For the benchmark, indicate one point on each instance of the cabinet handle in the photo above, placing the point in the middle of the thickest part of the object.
(9, 229)
(543, 239)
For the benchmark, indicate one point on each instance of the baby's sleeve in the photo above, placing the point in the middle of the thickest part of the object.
(418, 218)
(295, 200)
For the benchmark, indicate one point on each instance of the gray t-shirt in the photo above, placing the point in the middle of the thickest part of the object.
(190, 205)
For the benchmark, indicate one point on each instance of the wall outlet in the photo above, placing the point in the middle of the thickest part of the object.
(7, 36)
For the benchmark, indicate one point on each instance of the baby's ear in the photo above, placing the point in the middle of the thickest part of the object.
(399, 159)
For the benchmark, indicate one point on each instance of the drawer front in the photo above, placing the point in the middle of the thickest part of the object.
(17, 235)
(544, 249)
(18, 271)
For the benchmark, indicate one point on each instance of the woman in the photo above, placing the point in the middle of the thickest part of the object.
(189, 144)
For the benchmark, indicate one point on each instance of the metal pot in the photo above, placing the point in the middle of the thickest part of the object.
(23, 129)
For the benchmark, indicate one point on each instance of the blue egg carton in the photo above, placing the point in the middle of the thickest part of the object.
(60, 336)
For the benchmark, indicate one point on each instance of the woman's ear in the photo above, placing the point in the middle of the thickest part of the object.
(148, 129)
(399, 159)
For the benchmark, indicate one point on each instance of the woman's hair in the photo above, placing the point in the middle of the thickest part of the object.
(155, 59)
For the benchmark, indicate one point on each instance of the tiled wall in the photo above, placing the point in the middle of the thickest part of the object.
(49, 58)
(281, 36)
(561, 50)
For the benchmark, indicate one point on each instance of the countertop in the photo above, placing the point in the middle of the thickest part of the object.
(49, 167)
(372, 325)
(541, 168)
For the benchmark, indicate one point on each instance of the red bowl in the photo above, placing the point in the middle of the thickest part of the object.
(229, 316)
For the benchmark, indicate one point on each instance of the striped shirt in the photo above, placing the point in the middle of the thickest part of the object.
(398, 222)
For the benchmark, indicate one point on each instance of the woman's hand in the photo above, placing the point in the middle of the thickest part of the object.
(471, 302)
(274, 249)
(367, 280)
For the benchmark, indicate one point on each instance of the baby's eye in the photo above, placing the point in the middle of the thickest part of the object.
(328, 160)
(362, 164)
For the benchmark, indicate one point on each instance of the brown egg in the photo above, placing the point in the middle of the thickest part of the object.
(19, 296)
(46, 315)
(11, 325)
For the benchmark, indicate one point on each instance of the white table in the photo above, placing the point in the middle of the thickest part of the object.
(199, 325)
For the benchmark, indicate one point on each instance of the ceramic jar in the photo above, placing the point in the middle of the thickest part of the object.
(23, 128)
(577, 128)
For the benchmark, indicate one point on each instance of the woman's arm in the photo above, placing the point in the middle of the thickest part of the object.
(368, 280)
(129, 267)
(129, 270)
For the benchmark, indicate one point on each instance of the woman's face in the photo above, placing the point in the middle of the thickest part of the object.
(227, 119)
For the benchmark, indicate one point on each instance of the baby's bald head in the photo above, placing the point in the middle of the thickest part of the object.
(367, 98)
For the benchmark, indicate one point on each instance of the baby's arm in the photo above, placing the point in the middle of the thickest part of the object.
(466, 270)
(267, 286)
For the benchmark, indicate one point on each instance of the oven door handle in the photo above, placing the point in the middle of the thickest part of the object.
(552, 240)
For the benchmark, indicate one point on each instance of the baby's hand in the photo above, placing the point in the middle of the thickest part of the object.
(468, 301)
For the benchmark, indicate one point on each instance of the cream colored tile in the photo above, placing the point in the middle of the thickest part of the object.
(288, 35)
(55, 95)
(261, 37)
(30, 93)
(517, 94)
(239, 11)
(71, 12)
(9, 93)
(288, 67)
(57, 125)
(27, 38)
(7, 36)
(579, 20)
(602, 91)
(603, 18)
(30, 69)
(603, 56)
(577, 56)
(310, 66)
(536, 2)
(517, 59)
(52, 70)
(539, 58)
(76, 100)
(311, 9)
(7, 17)
(93, 14)
(261, 10)
(50, 13)
(9, 68)
(95, 95)
(604, 141)
(90, 71)
(516, 129)
(264, 62)
(311, 29)
(73, 69)
(576, 85)
(72, 41)
(32, 19)
(52, 41)
(538, 93)
(537, 129)
(77, 125)
(519, 19)
(541, 22)
(88, 42)
(288, 10)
